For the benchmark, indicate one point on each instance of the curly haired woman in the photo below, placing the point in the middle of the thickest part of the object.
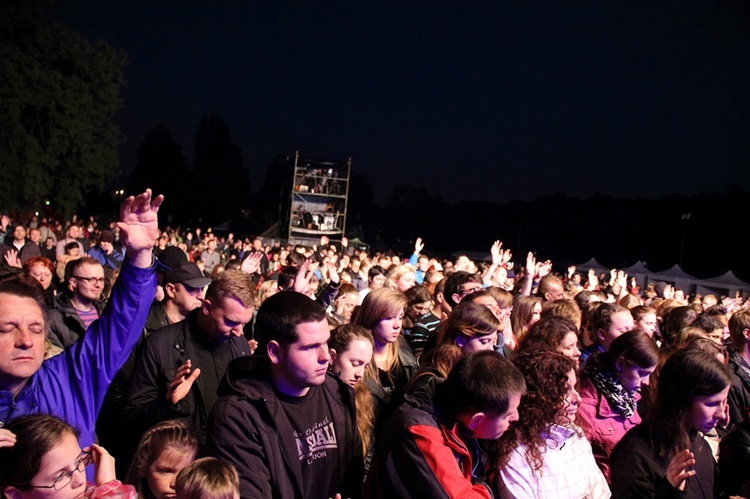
(545, 454)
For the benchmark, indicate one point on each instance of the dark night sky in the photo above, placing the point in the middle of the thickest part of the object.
(475, 100)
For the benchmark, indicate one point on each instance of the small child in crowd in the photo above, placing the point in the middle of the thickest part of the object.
(208, 478)
(164, 450)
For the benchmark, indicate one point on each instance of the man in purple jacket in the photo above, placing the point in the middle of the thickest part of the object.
(72, 385)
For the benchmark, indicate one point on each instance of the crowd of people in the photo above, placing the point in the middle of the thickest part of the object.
(138, 360)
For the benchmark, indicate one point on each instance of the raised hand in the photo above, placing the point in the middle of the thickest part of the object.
(181, 383)
(302, 279)
(544, 268)
(11, 258)
(418, 246)
(678, 469)
(530, 264)
(139, 227)
(622, 279)
(332, 274)
(251, 264)
(507, 255)
(497, 253)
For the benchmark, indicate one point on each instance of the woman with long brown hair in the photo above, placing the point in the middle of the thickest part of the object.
(667, 454)
(393, 363)
(526, 311)
(470, 327)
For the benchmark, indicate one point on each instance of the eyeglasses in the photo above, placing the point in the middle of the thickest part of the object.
(470, 290)
(64, 479)
(90, 280)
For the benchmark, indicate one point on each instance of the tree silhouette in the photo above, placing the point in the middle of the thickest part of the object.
(223, 182)
(271, 207)
(362, 212)
(162, 166)
(58, 99)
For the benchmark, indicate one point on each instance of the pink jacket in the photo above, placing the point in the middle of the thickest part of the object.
(602, 426)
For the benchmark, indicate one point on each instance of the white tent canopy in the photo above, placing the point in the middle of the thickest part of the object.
(592, 264)
(726, 284)
(676, 277)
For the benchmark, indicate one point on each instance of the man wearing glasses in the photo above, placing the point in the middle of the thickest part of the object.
(80, 305)
(72, 385)
(459, 285)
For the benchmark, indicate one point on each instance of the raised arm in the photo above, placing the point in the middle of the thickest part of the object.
(77, 380)
(499, 258)
(139, 227)
(418, 247)
(530, 273)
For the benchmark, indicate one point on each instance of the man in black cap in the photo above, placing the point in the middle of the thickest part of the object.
(184, 287)
(105, 253)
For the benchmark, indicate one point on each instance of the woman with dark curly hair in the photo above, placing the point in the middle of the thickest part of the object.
(552, 334)
(545, 454)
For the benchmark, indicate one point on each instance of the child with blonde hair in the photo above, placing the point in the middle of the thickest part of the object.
(208, 478)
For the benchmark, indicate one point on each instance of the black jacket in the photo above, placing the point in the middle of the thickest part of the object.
(734, 460)
(248, 428)
(65, 326)
(28, 250)
(161, 354)
(638, 472)
(387, 403)
(739, 393)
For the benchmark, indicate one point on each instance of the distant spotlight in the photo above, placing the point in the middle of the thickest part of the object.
(36, 213)
(46, 202)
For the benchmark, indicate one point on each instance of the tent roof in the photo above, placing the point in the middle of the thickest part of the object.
(728, 278)
(272, 231)
(591, 264)
(637, 268)
(358, 242)
(676, 272)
